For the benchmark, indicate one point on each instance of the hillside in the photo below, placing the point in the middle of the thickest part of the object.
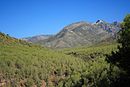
(37, 38)
(82, 33)
(26, 65)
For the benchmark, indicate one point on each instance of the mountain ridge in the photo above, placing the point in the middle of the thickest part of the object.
(81, 33)
(36, 38)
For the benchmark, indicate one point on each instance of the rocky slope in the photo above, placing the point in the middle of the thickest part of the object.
(82, 33)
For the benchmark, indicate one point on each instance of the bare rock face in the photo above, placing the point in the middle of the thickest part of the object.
(82, 33)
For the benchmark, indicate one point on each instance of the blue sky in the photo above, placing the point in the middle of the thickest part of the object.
(23, 18)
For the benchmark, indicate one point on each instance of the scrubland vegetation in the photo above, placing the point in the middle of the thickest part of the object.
(24, 64)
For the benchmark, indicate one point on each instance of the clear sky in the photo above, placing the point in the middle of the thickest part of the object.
(23, 18)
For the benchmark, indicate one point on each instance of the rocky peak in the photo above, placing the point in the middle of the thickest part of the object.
(115, 23)
(100, 21)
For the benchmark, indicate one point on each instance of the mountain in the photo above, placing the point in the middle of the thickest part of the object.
(37, 38)
(82, 33)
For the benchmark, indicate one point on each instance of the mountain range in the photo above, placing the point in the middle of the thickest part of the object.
(78, 34)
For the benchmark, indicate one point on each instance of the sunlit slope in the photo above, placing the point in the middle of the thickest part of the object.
(88, 53)
(19, 61)
(24, 64)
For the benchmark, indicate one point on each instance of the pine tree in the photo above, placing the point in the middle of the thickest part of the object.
(121, 57)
